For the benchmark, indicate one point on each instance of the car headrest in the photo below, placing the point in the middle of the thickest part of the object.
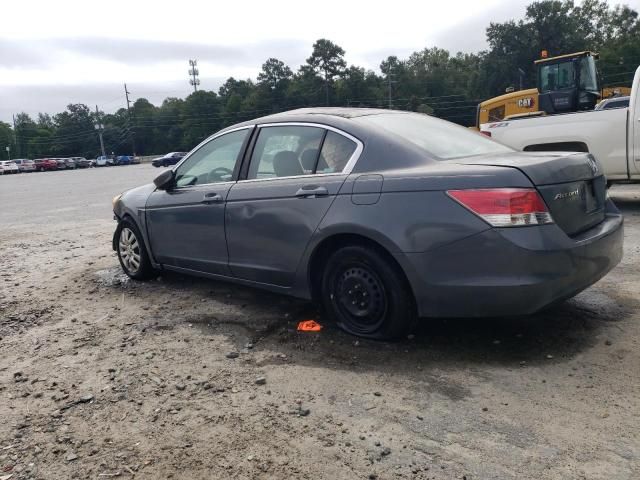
(285, 164)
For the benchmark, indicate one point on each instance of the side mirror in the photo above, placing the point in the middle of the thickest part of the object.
(165, 180)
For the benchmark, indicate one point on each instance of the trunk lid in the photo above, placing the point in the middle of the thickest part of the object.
(571, 184)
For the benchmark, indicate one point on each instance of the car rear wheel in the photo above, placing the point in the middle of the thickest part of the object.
(367, 294)
(132, 252)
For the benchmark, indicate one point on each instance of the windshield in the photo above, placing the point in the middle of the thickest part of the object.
(441, 139)
(557, 76)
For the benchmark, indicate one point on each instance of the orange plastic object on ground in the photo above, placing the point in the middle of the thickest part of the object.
(309, 326)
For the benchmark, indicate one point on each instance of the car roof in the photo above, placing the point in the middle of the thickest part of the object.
(337, 117)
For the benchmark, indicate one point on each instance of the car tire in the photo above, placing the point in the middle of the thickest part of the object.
(132, 252)
(367, 294)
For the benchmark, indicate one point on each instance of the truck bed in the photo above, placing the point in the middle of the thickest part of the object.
(602, 133)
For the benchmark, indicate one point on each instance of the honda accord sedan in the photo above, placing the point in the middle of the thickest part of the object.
(381, 216)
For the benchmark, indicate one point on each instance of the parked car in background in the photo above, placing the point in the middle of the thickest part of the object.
(70, 163)
(123, 160)
(25, 165)
(135, 160)
(61, 163)
(395, 215)
(169, 159)
(105, 161)
(9, 166)
(615, 102)
(43, 164)
(81, 162)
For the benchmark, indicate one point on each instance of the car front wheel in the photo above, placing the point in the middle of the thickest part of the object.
(367, 294)
(132, 252)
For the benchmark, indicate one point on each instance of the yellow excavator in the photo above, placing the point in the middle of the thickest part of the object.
(566, 83)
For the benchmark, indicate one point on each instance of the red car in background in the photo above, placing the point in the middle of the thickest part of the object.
(43, 164)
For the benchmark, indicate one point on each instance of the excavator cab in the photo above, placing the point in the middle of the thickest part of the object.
(567, 83)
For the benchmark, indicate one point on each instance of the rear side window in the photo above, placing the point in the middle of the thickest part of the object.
(336, 152)
(441, 139)
(285, 151)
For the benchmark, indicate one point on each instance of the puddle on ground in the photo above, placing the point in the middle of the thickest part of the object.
(112, 277)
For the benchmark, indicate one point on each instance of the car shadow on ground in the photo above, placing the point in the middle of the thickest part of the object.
(269, 321)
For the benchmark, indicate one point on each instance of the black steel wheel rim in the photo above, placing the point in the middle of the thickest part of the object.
(361, 298)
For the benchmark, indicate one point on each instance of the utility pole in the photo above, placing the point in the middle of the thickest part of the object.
(15, 135)
(193, 72)
(326, 87)
(522, 74)
(390, 81)
(100, 127)
(133, 133)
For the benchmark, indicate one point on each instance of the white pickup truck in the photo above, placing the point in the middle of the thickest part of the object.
(611, 136)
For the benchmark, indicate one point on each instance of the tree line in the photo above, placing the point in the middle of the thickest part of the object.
(431, 80)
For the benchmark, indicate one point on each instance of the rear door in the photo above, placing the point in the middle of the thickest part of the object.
(186, 222)
(294, 174)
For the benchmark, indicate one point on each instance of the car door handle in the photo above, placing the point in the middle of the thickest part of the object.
(212, 198)
(312, 191)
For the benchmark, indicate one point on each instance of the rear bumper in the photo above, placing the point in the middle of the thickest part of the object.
(512, 271)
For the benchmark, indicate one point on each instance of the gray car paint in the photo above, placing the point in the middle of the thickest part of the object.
(269, 226)
(187, 227)
(456, 264)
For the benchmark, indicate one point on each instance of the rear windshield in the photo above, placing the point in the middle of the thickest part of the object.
(441, 139)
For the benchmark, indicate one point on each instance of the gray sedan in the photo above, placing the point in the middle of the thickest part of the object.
(381, 216)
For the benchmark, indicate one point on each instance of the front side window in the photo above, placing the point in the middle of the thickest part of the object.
(214, 162)
(285, 151)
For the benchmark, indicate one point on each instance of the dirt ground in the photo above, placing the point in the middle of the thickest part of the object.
(185, 378)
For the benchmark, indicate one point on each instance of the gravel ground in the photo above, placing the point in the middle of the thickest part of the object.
(183, 378)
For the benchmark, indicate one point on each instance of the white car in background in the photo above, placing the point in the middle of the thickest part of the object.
(8, 166)
(25, 165)
(105, 161)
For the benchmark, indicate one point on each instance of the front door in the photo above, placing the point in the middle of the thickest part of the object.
(186, 222)
(294, 175)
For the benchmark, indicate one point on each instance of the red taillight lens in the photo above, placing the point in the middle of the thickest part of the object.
(505, 207)
(484, 132)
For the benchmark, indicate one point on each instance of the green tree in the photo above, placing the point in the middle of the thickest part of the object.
(6, 140)
(274, 72)
(327, 59)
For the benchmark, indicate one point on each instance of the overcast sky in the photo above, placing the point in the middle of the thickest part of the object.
(53, 53)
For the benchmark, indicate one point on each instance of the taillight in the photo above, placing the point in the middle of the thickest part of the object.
(505, 207)
(484, 132)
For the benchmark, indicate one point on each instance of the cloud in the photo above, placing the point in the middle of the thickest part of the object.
(20, 54)
(43, 52)
(109, 97)
(470, 36)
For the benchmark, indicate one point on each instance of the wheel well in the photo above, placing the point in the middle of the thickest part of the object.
(558, 147)
(129, 218)
(333, 243)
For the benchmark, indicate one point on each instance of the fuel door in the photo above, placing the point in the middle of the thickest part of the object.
(366, 189)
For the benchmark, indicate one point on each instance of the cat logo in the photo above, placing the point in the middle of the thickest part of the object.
(528, 102)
